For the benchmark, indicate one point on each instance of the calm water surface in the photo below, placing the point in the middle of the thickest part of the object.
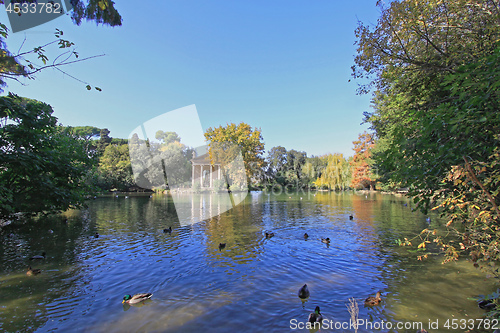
(250, 286)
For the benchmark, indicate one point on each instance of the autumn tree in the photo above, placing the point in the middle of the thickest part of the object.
(233, 139)
(362, 176)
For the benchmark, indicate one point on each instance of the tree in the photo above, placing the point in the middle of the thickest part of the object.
(434, 66)
(276, 161)
(336, 175)
(85, 132)
(237, 138)
(115, 168)
(157, 164)
(43, 167)
(285, 167)
(362, 177)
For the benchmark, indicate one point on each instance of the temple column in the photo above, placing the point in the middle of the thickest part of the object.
(192, 176)
(211, 184)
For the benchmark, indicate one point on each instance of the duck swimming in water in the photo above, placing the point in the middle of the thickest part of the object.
(371, 301)
(304, 292)
(316, 316)
(33, 271)
(137, 298)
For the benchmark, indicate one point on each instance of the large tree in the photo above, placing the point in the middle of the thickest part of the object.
(362, 175)
(43, 167)
(434, 67)
(337, 173)
(233, 139)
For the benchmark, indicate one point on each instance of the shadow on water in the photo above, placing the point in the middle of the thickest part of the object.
(250, 285)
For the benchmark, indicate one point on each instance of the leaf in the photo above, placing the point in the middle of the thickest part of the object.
(88, 87)
(98, 89)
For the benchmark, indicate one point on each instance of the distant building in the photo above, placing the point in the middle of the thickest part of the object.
(204, 172)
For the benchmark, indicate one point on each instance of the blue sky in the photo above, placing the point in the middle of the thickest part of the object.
(282, 66)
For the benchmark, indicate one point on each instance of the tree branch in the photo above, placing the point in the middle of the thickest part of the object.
(473, 177)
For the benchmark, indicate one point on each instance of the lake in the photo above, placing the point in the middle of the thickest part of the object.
(251, 285)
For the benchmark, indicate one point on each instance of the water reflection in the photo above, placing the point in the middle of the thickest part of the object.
(250, 285)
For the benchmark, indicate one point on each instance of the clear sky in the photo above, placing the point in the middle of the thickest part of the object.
(282, 66)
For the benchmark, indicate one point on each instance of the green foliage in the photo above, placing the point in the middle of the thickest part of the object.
(157, 164)
(219, 185)
(101, 11)
(226, 142)
(85, 132)
(197, 187)
(286, 167)
(435, 69)
(115, 170)
(337, 173)
(44, 167)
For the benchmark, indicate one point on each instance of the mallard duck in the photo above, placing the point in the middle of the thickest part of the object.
(351, 217)
(486, 304)
(371, 301)
(304, 292)
(221, 246)
(38, 256)
(325, 240)
(316, 316)
(136, 298)
(306, 236)
(33, 271)
(269, 235)
(168, 230)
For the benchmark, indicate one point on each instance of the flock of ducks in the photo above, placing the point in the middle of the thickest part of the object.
(304, 293)
(317, 317)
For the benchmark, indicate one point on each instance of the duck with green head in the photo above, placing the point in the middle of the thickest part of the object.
(316, 316)
(137, 298)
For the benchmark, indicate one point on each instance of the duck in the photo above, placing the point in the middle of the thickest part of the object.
(269, 235)
(168, 230)
(316, 316)
(221, 246)
(33, 271)
(304, 292)
(351, 217)
(38, 256)
(325, 240)
(306, 236)
(371, 301)
(137, 298)
(96, 235)
(486, 304)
